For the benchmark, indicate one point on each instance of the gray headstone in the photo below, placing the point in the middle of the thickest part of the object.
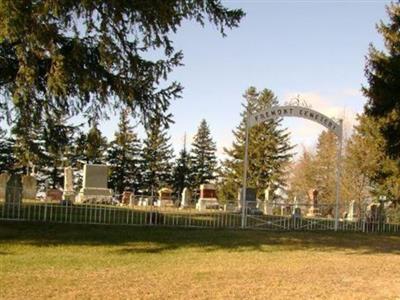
(250, 195)
(3, 184)
(94, 188)
(68, 180)
(29, 184)
(68, 193)
(95, 176)
(14, 190)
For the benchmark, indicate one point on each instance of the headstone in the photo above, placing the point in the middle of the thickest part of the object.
(14, 190)
(351, 215)
(285, 210)
(95, 185)
(268, 207)
(165, 198)
(208, 198)
(132, 200)
(29, 187)
(251, 200)
(3, 184)
(186, 198)
(54, 195)
(297, 212)
(126, 196)
(231, 207)
(69, 193)
(145, 201)
(295, 204)
(313, 211)
(251, 197)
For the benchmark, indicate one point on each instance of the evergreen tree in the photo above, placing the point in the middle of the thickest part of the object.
(364, 155)
(377, 172)
(325, 166)
(156, 158)
(7, 159)
(269, 150)
(383, 90)
(57, 138)
(28, 145)
(124, 156)
(76, 55)
(182, 172)
(96, 146)
(204, 160)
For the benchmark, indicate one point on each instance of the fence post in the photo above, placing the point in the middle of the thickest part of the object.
(45, 211)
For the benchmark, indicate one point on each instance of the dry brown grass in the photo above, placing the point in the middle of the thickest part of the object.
(81, 262)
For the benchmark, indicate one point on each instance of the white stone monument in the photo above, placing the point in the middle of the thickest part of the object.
(94, 188)
(268, 209)
(208, 198)
(351, 215)
(186, 198)
(69, 193)
(3, 184)
(295, 204)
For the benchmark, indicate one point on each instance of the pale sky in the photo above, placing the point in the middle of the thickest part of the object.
(315, 49)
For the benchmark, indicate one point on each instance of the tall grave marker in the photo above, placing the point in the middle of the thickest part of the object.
(95, 188)
(69, 193)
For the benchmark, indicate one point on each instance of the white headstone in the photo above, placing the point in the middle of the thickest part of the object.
(186, 198)
(267, 203)
(68, 193)
(350, 214)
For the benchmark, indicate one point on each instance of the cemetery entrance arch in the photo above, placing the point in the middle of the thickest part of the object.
(297, 111)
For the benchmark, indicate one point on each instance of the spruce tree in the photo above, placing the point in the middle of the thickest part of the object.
(383, 90)
(58, 141)
(364, 154)
(28, 145)
(181, 177)
(123, 156)
(269, 150)
(204, 160)
(369, 170)
(72, 55)
(156, 158)
(7, 159)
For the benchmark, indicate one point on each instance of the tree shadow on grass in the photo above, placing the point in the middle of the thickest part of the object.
(154, 240)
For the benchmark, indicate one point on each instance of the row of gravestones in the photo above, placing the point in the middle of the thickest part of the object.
(15, 187)
(207, 200)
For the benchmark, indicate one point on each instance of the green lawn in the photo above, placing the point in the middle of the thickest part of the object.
(118, 262)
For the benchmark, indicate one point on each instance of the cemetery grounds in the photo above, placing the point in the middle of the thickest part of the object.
(72, 261)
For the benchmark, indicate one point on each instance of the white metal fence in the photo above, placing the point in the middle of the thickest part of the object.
(155, 216)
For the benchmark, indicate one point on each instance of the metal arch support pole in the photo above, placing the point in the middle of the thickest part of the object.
(338, 175)
(245, 166)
